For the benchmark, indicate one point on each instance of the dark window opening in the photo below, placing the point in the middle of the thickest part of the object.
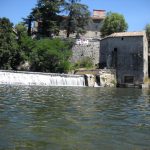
(128, 79)
(115, 49)
(114, 58)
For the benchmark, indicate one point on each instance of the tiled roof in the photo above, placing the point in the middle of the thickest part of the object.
(119, 34)
(127, 34)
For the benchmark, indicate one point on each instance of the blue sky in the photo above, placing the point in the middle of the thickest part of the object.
(136, 12)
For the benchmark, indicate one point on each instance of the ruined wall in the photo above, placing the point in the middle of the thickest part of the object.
(100, 77)
(107, 77)
(91, 50)
(88, 34)
(130, 60)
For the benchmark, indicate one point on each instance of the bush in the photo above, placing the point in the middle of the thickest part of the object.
(51, 55)
(86, 62)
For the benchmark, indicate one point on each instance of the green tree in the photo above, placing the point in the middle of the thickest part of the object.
(46, 13)
(28, 21)
(51, 56)
(25, 43)
(8, 44)
(78, 17)
(147, 29)
(113, 22)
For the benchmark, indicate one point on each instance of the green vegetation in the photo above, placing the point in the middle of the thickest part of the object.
(43, 53)
(114, 22)
(78, 17)
(85, 62)
(46, 55)
(48, 14)
(8, 45)
(50, 55)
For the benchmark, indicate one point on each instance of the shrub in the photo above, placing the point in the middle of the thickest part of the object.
(86, 62)
(51, 55)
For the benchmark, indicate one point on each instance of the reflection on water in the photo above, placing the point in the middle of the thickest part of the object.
(71, 118)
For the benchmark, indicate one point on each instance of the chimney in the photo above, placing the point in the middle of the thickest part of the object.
(99, 13)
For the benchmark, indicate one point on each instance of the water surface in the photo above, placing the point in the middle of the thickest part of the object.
(73, 118)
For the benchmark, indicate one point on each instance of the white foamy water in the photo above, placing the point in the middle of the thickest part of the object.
(41, 79)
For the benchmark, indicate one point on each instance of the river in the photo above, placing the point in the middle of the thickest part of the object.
(74, 118)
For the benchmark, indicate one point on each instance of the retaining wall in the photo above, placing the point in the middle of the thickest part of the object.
(91, 50)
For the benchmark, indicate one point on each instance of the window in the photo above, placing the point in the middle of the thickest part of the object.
(128, 79)
(115, 49)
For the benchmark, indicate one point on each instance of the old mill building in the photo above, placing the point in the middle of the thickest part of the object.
(127, 52)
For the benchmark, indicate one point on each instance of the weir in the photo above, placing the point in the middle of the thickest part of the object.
(40, 79)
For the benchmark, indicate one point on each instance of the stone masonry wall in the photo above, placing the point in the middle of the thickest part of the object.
(102, 77)
(130, 59)
(91, 50)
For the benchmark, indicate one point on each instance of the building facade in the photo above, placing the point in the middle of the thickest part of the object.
(92, 29)
(127, 52)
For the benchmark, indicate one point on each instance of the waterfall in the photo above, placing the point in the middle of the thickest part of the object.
(40, 79)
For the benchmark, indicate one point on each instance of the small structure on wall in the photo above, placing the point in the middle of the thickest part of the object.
(127, 52)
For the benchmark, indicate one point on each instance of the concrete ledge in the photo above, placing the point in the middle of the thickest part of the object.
(127, 85)
(146, 85)
(42, 73)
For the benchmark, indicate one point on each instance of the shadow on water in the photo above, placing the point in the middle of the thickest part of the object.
(73, 118)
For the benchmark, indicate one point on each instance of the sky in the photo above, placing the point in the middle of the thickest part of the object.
(136, 12)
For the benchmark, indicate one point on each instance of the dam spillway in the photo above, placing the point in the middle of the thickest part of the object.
(40, 79)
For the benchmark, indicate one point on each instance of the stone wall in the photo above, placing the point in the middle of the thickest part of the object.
(88, 34)
(91, 50)
(107, 78)
(100, 77)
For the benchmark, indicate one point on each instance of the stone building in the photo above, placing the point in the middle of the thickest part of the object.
(92, 29)
(127, 52)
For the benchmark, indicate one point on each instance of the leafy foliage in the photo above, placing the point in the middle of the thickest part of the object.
(85, 62)
(50, 56)
(25, 43)
(114, 22)
(8, 45)
(78, 17)
(46, 55)
(46, 12)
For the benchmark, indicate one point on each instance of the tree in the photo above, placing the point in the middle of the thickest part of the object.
(28, 21)
(50, 56)
(8, 44)
(78, 17)
(25, 43)
(46, 13)
(113, 22)
(147, 29)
